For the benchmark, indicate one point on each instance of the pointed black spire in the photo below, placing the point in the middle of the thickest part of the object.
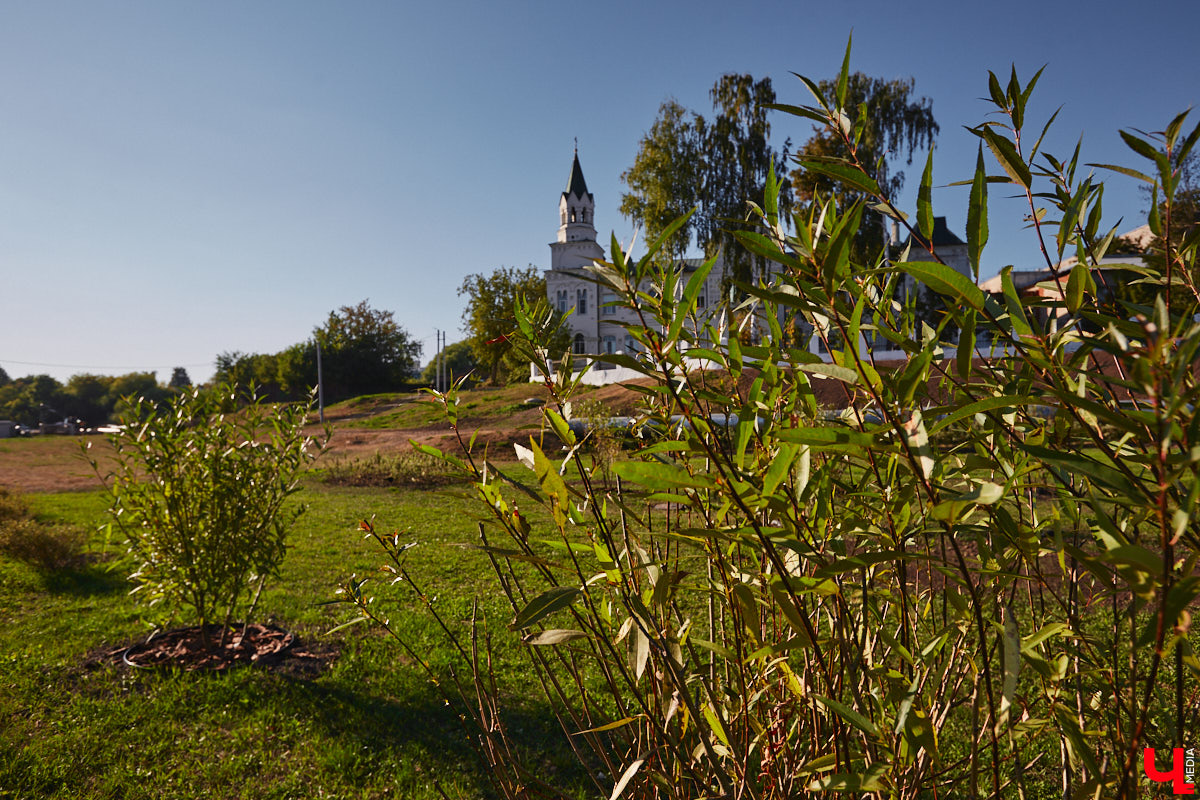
(576, 185)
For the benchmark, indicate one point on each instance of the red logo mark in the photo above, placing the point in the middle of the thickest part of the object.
(1182, 774)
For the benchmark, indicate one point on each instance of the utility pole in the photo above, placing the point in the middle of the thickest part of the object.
(320, 385)
(437, 360)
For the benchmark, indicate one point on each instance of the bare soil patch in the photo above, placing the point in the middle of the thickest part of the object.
(51, 463)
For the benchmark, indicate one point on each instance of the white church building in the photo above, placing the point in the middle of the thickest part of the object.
(596, 325)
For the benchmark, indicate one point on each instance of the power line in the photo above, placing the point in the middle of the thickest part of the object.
(101, 366)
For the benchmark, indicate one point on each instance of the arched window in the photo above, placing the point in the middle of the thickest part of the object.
(564, 216)
(572, 214)
(580, 345)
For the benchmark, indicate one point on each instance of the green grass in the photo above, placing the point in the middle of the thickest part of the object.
(380, 412)
(371, 726)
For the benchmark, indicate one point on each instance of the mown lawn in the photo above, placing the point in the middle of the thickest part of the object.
(370, 725)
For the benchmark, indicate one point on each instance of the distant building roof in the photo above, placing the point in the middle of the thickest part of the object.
(942, 235)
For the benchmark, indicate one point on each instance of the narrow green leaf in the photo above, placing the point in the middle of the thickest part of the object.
(561, 429)
(843, 374)
(828, 438)
(977, 215)
(799, 111)
(1012, 668)
(946, 281)
(771, 196)
(1045, 632)
(1003, 402)
(1147, 150)
(1008, 157)
(610, 726)
(965, 354)
(845, 173)
(345, 625)
(627, 776)
(844, 74)
(816, 92)
(925, 199)
(1133, 173)
(1016, 309)
(996, 91)
(553, 636)
(713, 716)
(1077, 283)
(664, 237)
(544, 605)
(654, 475)
(856, 719)
(690, 293)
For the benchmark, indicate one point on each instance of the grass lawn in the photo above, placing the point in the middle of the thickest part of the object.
(370, 725)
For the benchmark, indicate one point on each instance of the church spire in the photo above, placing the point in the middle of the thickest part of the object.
(576, 185)
(576, 207)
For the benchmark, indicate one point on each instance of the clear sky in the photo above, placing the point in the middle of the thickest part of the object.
(180, 179)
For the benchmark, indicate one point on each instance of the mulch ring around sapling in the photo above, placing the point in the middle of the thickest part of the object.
(264, 646)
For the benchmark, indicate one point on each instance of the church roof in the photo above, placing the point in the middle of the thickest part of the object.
(576, 185)
(942, 235)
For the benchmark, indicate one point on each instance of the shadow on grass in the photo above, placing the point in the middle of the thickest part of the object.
(85, 581)
(365, 730)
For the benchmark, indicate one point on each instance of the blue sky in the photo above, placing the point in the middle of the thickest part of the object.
(182, 179)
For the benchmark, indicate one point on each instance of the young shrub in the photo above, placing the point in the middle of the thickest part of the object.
(200, 489)
(23, 538)
(946, 591)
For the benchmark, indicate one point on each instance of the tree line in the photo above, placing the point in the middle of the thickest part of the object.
(364, 351)
(93, 399)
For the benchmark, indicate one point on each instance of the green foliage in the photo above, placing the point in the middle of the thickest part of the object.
(490, 318)
(47, 547)
(665, 180)
(31, 400)
(458, 362)
(179, 379)
(96, 399)
(713, 165)
(199, 492)
(72, 728)
(363, 349)
(405, 468)
(883, 123)
(945, 590)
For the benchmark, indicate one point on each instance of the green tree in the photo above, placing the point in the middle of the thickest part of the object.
(133, 386)
(89, 397)
(365, 351)
(459, 361)
(31, 400)
(886, 123)
(4, 379)
(179, 379)
(200, 496)
(738, 158)
(260, 370)
(664, 181)
(489, 317)
(686, 161)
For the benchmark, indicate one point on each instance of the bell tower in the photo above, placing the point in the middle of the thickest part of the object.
(576, 244)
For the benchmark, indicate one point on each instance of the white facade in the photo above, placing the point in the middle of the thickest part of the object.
(596, 325)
